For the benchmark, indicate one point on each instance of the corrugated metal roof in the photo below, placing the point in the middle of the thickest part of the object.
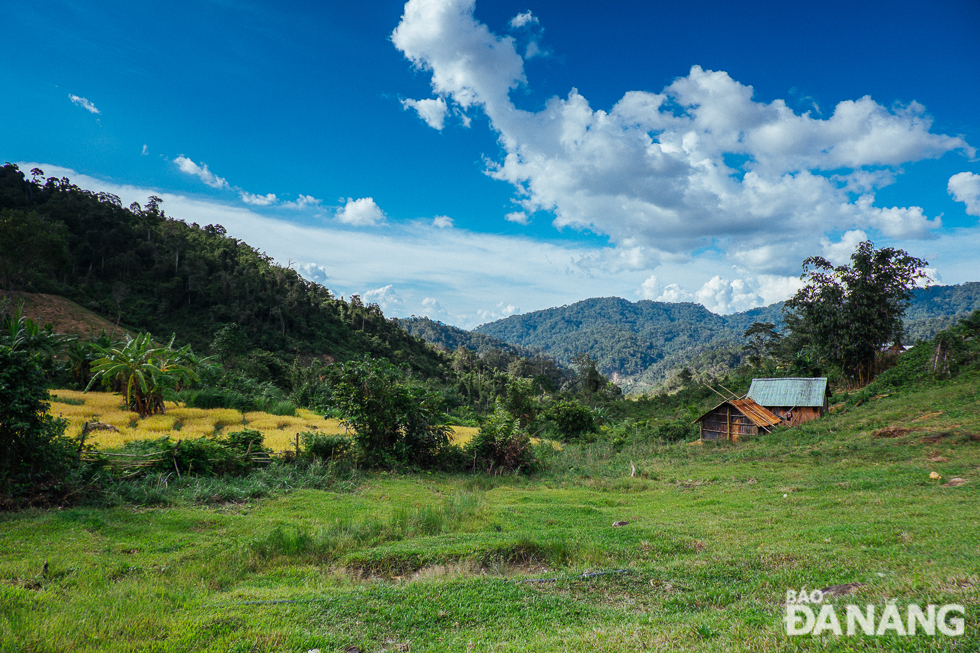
(788, 392)
(759, 415)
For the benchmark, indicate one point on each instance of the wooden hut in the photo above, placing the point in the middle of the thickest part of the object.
(794, 400)
(734, 418)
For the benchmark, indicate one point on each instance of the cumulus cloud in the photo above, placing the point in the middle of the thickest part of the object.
(433, 112)
(146, 150)
(385, 297)
(83, 103)
(650, 289)
(723, 296)
(201, 172)
(363, 212)
(520, 217)
(701, 164)
(258, 200)
(839, 253)
(313, 272)
(965, 187)
(442, 221)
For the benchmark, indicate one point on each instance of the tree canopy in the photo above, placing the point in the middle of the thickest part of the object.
(845, 314)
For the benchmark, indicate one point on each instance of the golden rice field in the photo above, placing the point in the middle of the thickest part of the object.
(180, 422)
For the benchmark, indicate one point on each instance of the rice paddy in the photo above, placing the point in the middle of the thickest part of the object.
(180, 422)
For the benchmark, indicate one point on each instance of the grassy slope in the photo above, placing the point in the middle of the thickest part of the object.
(717, 535)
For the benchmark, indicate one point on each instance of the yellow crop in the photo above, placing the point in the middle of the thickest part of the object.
(180, 423)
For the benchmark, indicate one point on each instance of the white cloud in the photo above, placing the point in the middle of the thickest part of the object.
(839, 253)
(201, 172)
(258, 200)
(723, 296)
(385, 297)
(650, 289)
(520, 20)
(83, 103)
(146, 150)
(520, 217)
(313, 272)
(656, 172)
(442, 221)
(965, 187)
(363, 212)
(674, 293)
(302, 202)
(433, 112)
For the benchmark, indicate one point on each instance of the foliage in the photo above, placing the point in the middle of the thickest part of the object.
(569, 420)
(845, 314)
(31, 247)
(323, 446)
(501, 445)
(144, 371)
(35, 458)
(395, 422)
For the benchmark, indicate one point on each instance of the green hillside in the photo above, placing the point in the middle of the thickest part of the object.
(635, 344)
(150, 272)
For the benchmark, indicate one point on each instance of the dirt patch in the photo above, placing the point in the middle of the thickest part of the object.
(937, 437)
(928, 416)
(891, 432)
(955, 482)
(64, 315)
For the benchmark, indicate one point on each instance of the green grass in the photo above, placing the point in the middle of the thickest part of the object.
(717, 535)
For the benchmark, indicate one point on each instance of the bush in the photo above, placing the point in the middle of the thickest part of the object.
(501, 445)
(569, 420)
(35, 457)
(320, 446)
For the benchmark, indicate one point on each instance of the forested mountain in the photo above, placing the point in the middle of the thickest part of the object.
(638, 345)
(939, 307)
(147, 271)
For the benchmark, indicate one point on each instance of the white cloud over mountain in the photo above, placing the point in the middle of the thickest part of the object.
(699, 165)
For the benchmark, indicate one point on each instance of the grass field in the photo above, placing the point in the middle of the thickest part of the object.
(717, 534)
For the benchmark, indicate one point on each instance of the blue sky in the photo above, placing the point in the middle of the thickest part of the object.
(468, 161)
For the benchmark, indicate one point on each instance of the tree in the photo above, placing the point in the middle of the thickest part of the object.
(394, 422)
(844, 315)
(763, 341)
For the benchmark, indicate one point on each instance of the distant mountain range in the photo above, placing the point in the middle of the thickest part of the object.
(639, 344)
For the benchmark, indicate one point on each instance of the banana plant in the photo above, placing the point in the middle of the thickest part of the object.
(144, 370)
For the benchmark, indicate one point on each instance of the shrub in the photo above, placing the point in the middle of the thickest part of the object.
(501, 445)
(35, 457)
(320, 446)
(569, 420)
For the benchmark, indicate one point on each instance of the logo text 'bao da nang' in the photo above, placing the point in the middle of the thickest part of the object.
(803, 617)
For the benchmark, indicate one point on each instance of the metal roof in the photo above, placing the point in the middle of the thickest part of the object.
(759, 415)
(788, 392)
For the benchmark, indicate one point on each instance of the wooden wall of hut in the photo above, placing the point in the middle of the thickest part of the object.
(726, 423)
(801, 414)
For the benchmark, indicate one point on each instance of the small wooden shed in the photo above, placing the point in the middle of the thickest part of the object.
(794, 400)
(734, 418)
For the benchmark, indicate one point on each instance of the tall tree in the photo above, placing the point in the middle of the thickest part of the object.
(845, 314)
